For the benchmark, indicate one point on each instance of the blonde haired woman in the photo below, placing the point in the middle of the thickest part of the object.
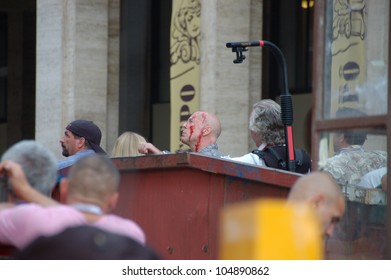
(127, 145)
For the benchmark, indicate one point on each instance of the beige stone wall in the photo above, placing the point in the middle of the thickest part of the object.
(52, 79)
(77, 67)
(228, 89)
(113, 74)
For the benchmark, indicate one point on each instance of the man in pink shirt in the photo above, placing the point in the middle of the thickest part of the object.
(90, 192)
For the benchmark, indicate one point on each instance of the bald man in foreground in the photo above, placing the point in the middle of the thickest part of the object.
(200, 133)
(320, 190)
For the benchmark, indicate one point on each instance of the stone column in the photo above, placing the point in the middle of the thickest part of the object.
(229, 89)
(113, 74)
(72, 67)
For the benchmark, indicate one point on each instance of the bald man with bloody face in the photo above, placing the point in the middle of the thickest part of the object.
(200, 132)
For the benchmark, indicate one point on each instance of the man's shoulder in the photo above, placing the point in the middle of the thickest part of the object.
(34, 215)
(69, 161)
(355, 156)
(250, 158)
(377, 154)
(110, 219)
(122, 226)
(211, 150)
(64, 163)
(24, 207)
(23, 223)
(32, 208)
(276, 157)
(350, 166)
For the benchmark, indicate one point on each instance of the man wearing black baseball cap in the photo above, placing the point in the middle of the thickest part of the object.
(81, 138)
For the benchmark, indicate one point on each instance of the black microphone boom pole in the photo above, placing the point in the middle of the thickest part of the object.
(243, 44)
(285, 97)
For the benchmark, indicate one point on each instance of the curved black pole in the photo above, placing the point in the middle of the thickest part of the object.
(285, 97)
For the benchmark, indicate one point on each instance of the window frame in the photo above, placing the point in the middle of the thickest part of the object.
(320, 125)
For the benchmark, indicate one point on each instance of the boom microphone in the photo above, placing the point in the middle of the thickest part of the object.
(244, 44)
(285, 98)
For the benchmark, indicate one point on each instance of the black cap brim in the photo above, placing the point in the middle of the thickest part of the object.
(97, 148)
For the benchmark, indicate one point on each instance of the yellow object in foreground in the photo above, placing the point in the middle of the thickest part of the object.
(270, 229)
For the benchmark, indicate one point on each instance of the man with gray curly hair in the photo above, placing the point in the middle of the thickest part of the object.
(268, 133)
(265, 124)
(38, 164)
(266, 129)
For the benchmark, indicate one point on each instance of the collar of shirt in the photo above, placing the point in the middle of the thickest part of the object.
(211, 150)
(72, 159)
(262, 146)
(88, 208)
(353, 148)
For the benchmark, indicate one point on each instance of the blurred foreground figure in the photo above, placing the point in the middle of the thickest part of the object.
(90, 192)
(86, 243)
(320, 190)
(279, 229)
(270, 229)
(39, 167)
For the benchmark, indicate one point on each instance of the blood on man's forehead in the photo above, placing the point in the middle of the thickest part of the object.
(198, 115)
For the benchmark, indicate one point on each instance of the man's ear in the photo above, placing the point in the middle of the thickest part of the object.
(63, 189)
(317, 200)
(113, 201)
(256, 138)
(81, 142)
(206, 130)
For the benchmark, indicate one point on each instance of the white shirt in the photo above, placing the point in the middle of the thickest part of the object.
(373, 178)
(250, 157)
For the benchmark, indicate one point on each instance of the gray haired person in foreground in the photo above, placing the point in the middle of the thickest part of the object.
(38, 164)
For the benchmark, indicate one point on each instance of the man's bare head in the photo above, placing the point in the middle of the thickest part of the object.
(94, 179)
(320, 190)
(214, 123)
(200, 130)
